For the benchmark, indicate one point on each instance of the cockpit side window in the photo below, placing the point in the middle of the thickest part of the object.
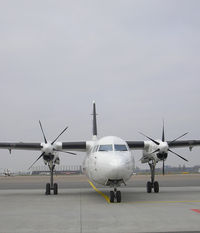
(120, 147)
(105, 148)
(95, 148)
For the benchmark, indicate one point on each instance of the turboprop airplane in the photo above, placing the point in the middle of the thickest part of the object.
(109, 160)
(7, 172)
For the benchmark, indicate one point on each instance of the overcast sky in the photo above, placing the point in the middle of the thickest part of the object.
(139, 60)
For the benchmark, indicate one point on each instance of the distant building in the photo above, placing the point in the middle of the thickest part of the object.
(169, 169)
(60, 170)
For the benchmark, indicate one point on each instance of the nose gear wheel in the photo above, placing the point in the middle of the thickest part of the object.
(115, 195)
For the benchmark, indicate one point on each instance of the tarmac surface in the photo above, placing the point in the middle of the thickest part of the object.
(79, 208)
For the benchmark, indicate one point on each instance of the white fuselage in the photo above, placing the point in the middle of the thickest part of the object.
(115, 164)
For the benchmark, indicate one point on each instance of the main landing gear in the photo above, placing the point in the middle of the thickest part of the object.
(152, 184)
(115, 195)
(51, 186)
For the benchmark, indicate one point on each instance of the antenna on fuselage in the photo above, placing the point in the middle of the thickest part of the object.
(94, 114)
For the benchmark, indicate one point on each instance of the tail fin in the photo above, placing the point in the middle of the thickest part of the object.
(94, 130)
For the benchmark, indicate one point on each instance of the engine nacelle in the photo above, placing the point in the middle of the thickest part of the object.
(162, 156)
(48, 157)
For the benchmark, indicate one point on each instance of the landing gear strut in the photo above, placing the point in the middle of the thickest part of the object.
(152, 184)
(115, 195)
(51, 186)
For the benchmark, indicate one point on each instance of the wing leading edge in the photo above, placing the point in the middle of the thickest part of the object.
(20, 146)
(82, 145)
(140, 145)
(184, 143)
(136, 144)
(79, 146)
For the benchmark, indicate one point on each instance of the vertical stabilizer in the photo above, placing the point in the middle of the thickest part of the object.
(94, 130)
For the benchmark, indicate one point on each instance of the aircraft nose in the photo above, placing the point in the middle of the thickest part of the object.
(117, 169)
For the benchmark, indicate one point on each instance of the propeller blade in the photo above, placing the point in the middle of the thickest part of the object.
(154, 151)
(163, 168)
(59, 135)
(177, 155)
(157, 143)
(43, 132)
(67, 152)
(178, 138)
(163, 132)
(36, 160)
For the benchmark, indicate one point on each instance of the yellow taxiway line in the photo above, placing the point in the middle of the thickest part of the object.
(142, 202)
(99, 192)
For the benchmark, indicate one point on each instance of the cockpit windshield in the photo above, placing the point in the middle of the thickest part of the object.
(105, 148)
(120, 147)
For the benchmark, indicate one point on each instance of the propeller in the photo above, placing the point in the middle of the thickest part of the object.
(48, 147)
(157, 143)
(42, 132)
(163, 132)
(63, 151)
(163, 147)
(59, 135)
(36, 160)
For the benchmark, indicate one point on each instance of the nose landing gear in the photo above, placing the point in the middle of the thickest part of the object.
(115, 195)
(152, 184)
(51, 186)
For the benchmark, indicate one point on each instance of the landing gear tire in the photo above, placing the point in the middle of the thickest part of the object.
(55, 188)
(48, 189)
(149, 187)
(156, 187)
(112, 196)
(118, 196)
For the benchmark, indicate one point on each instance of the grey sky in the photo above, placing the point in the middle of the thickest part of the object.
(139, 60)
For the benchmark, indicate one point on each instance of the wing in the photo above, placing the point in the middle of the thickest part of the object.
(20, 146)
(183, 143)
(83, 145)
(138, 145)
(76, 146)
